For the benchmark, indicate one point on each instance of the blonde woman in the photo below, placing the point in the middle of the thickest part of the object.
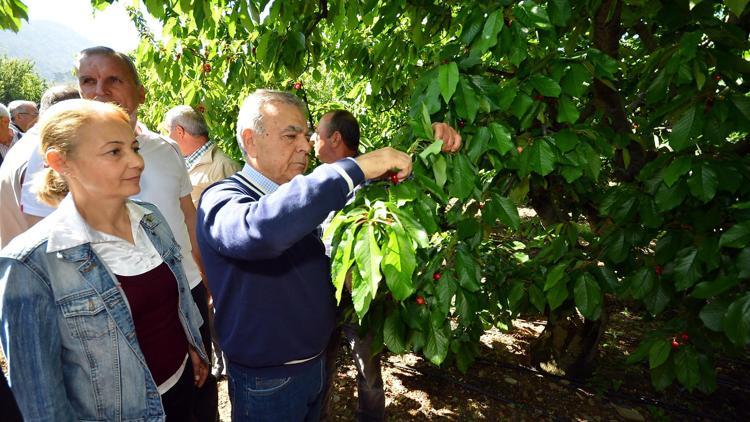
(98, 321)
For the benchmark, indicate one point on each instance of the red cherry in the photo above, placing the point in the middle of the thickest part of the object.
(717, 77)
(206, 67)
(658, 270)
(298, 85)
(436, 276)
(394, 178)
(675, 344)
(253, 50)
(685, 337)
(519, 149)
(420, 300)
(635, 126)
(461, 123)
(538, 97)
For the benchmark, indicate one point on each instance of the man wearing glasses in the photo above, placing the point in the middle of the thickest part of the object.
(23, 115)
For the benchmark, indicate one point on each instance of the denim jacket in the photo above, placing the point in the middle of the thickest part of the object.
(68, 334)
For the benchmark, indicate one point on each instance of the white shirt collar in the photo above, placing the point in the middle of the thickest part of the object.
(72, 230)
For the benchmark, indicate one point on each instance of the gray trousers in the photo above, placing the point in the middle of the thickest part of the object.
(371, 403)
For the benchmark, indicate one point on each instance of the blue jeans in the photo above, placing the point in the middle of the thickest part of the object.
(293, 399)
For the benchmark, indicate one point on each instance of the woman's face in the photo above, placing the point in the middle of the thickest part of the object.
(105, 163)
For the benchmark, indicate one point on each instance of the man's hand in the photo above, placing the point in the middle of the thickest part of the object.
(451, 139)
(378, 163)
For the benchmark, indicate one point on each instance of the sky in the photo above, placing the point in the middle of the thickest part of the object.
(111, 27)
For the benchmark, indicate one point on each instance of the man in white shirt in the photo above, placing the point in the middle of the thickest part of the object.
(109, 76)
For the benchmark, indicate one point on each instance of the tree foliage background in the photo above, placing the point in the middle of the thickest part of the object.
(19, 81)
(622, 123)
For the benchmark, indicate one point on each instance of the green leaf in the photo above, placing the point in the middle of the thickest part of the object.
(536, 297)
(667, 198)
(440, 170)
(445, 289)
(463, 177)
(576, 80)
(557, 295)
(737, 321)
(680, 166)
(448, 78)
(736, 6)
(566, 140)
(399, 262)
(541, 157)
(492, 26)
(559, 12)
(686, 268)
(686, 367)
(426, 122)
(466, 102)
(433, 148)
(680, 137)
(642, 282)
(712, 315)
(557, 274)
(436, 348)
(588, 296)
(361, 297)
(545, 85)
(501, 141)
(658, 353)
(468, 270)
(703, 182)
(394, 333)
(662, 376)
(736, 237)
(708, 289)
(508, 212)
(658, 300)
(342, 262)
(567, 111)
(368, 256)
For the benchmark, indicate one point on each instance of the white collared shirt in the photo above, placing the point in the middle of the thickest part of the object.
(120, 256)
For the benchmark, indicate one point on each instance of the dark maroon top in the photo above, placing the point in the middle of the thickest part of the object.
(154, 304)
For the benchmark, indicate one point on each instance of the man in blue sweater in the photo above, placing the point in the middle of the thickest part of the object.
(266, 265)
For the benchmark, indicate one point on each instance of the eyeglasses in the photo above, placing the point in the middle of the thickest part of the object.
(27, 113)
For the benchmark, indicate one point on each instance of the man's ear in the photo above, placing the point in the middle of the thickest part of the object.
(249, 142)
(336, 139)
(141, 95)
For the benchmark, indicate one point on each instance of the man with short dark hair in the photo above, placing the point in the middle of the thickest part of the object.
(258, 232)
(337, 137)
(23, 114)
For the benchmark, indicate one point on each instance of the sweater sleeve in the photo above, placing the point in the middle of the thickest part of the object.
(238, 225)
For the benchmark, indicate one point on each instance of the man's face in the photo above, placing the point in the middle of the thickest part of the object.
(280, 152)
(108, 79)
(26, 116)
(323, 146)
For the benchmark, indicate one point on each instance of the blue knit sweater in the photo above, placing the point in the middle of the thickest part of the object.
(267, 268)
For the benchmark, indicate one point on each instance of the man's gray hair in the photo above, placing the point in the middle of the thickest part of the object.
(4, 111)
(56, 94)
(18, 106)
(106, 51)
(190, 120)
(250, 116)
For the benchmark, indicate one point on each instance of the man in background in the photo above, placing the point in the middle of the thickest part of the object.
(206, 164)
(23, 114)
(335, 138)
(7, 134)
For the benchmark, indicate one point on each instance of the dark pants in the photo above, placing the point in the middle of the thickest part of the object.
(8, 407)
(371, 403)
(178, 402)
(206, 407)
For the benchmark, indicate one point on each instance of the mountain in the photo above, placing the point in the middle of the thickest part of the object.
(51, 46)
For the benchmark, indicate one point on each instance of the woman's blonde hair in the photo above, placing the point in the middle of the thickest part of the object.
(59, 130)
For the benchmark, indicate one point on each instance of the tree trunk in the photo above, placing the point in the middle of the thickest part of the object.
(568, 346)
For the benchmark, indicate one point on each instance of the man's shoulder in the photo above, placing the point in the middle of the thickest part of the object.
(153, 141)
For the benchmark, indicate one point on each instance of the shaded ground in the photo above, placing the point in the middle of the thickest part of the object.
(501, 386)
